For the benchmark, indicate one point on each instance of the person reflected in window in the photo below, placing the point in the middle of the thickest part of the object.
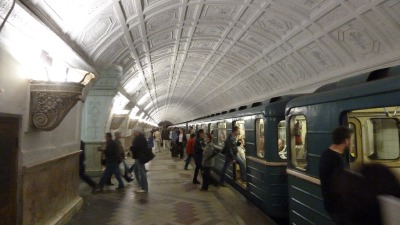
(281, 148)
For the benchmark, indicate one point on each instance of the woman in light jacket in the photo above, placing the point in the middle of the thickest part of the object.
(208, 161)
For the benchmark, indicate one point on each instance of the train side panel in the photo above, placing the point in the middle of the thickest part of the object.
(324, 112)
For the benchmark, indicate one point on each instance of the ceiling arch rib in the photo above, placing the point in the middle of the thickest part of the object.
(197, 57)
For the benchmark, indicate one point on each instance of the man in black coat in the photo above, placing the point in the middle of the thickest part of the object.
(139, 153)
(113, 158)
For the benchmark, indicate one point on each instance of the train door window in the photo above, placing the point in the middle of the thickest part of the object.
(384, 139)
(298, 133)
(260, 137)
(282, 139)
(221, 133)
(211, 128)
(242, 130)
(204, 127)
(355, 149)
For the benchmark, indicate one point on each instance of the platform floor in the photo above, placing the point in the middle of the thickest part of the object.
(172, 199)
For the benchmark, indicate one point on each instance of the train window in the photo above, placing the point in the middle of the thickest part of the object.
(353, 143)
(385, 139)
(211, 128)
(242, 130)
(260, 137)
(221, 133)
(204, 127)
(298, 133)
(282, 139)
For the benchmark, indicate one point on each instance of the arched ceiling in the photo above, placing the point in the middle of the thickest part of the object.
(184, 59)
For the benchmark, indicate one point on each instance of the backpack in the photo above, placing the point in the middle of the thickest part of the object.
(225, 148)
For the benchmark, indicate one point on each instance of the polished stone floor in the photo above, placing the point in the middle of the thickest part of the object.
(172, 200)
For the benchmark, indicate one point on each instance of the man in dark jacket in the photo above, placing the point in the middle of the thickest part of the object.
(165, 139)
(139, 151)
(231, 156)
(198, 154)
(113, 158)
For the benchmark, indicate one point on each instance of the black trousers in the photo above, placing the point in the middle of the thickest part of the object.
(85, 177)
(206, 178)
(198, 162)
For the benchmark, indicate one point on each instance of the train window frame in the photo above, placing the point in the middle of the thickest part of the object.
(282, 150)
(211, 128)
(221, 133)
(374, 142)
(260, 137)
(353, 142)
(204, 127)
(241, 123)
(298, 141)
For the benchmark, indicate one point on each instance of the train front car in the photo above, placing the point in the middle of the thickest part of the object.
(370, 108)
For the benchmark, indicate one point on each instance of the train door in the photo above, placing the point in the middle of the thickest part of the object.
(9, 169)
(241, 155)
(356, 159)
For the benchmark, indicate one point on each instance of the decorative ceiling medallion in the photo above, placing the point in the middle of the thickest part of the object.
(51, 102)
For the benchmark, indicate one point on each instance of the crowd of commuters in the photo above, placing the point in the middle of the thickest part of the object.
(350, 196)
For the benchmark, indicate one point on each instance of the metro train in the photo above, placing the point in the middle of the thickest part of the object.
(286, 135)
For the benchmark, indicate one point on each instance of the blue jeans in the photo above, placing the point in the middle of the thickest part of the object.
(140, 174)
(189, 157)
(111, 168)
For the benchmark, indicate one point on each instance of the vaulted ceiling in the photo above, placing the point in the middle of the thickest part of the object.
(183, 59)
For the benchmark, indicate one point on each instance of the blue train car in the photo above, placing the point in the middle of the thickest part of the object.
(369, 108)
(263, 127)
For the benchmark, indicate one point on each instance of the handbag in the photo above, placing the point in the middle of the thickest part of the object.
(147, 157)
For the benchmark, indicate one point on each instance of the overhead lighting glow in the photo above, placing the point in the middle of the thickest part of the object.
(132, 85)
(143, 99)
(134, 111)
(148, 106)
(120, 101)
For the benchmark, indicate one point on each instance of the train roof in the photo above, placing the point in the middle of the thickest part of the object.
(274, 107)
(378, 81)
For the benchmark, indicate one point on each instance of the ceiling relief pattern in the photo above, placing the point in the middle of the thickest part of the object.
(193, 58)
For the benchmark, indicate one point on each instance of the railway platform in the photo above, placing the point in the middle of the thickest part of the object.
(172, 200)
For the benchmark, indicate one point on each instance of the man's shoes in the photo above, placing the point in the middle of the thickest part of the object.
(201, 189)
(120, 188)
(222, 185)
(186, 168)
(109, 184)
(140, 191)
(196, 182)
(96, 188)
(128, 178)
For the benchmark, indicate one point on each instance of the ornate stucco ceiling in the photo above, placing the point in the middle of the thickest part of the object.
(183, 59)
